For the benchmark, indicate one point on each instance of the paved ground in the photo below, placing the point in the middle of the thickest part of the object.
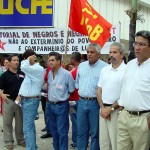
(43, 144)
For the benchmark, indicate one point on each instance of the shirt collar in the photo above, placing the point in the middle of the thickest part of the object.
(119, 68)
(93, 64)
(59, 70)
(12, 72)
(145, 62)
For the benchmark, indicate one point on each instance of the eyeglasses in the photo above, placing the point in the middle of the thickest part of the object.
(139, 44)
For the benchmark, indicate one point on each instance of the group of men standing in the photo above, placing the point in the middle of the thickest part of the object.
(118, 94)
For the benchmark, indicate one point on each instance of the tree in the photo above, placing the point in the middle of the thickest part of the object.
(134, 15)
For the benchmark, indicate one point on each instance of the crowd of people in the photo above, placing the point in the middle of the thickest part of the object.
(108, 104)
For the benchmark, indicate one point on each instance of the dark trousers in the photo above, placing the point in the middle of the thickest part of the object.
(43, 103)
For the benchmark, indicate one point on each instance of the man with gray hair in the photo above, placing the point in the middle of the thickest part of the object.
(134, 120)
(108, 93)
(88, 107)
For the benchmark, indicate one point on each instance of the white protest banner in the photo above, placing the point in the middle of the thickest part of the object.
(44, 41)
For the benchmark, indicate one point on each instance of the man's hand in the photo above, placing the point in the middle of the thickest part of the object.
(32, 58)
(5, 97)
(18, 98)
(105, 112)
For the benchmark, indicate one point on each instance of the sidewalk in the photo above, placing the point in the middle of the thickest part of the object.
(43, 144)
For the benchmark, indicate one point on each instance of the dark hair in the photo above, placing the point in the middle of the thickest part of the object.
(124, 59)
(2, 60)
(11, 56)
(28, 53)
(57, 55)
(145, 34)
(76, 56)
(42, 63)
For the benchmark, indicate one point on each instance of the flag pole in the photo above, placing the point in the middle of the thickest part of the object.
(65, 57)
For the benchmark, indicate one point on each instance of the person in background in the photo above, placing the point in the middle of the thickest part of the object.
(134, 119)
(29, 93)
(88, 107)
(1, 102)
(10, 82)
(4, 67)
(69, 67)
(75, 60)
(1, 71)
(109, 60)
(44, 99)
(108, 93)
(124, 59)
(4, 64)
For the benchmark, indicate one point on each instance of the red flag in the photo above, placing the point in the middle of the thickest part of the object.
(85, 20)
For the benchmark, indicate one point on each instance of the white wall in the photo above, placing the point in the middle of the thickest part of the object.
(112, 10)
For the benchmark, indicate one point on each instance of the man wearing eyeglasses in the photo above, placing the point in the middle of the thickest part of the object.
(134, 119)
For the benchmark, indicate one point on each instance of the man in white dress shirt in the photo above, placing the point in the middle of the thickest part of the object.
(29, 93)
(134, 119)
(108, 93)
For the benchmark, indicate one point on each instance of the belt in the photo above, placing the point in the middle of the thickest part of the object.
(12, 99)
(28, 97)
(89, 98)
(107, 104)
(137, 113)
(55, 103)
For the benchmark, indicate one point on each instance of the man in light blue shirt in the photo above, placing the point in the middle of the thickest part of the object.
(60, 85)
(88, 107)
(29, 93)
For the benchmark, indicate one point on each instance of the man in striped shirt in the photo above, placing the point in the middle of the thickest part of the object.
(88, 107)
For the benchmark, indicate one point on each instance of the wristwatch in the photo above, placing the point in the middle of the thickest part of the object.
(112, 108)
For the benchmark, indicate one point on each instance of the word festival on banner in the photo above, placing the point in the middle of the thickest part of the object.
(44, 41)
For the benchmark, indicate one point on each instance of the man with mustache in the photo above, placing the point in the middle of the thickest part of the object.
(134, 120)
(60, 85)
(108, 93)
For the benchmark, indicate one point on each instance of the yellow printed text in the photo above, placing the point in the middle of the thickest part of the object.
(34, 4)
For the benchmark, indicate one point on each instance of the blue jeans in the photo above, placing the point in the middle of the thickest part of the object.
(29, 110)
(73, 117)
(58, 116)
(88, 121)
(47, 120)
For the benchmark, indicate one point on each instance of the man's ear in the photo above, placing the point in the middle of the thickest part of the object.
(122, 55)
